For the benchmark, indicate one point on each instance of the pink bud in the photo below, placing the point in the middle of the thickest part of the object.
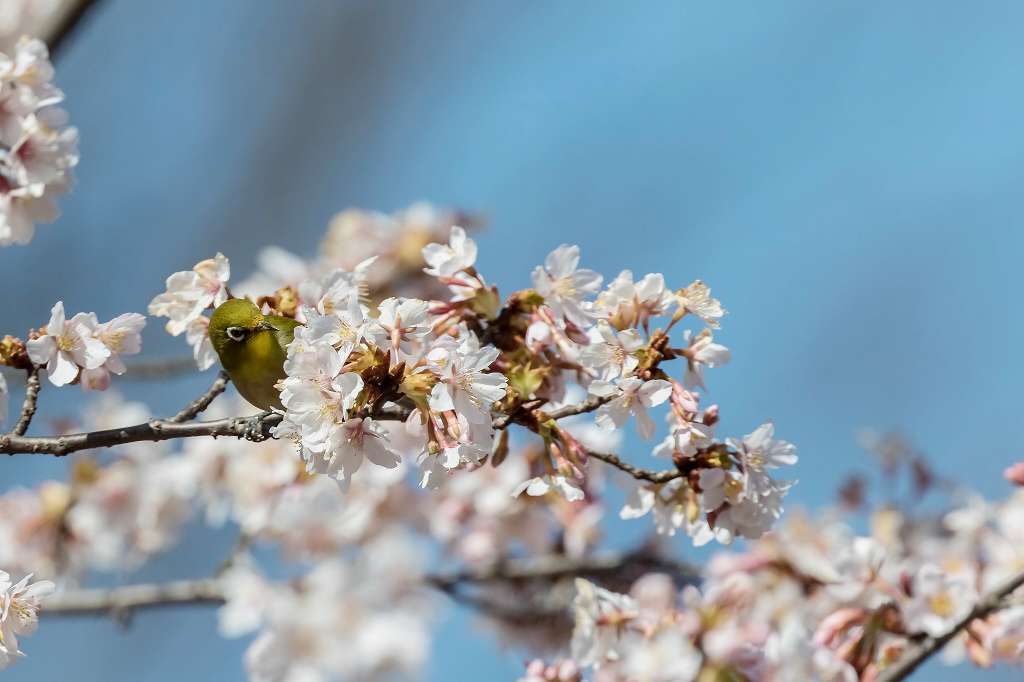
(1015, 474)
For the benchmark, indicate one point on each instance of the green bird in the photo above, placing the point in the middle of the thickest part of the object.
(252, 349)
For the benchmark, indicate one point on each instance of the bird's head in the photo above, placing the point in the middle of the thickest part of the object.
(233, 323)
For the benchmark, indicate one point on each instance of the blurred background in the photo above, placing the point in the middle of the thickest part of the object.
(845, 175)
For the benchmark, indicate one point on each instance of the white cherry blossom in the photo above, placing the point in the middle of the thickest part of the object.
(67, 346)
(702, 352)
(628, 304)
(611, 353)
(19, 608)
(445, 260)
(464, 382)
(542, 485)
(633, 396)
(190, 292)
(565, 287)
(401, 327)
(758, 451)
(198, 337)
(697, 299)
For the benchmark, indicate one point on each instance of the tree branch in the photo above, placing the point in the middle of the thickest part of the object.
(70, 17)
(918, 654)
(637, 472)
(192, 410)
(255, 428)
(122, 601)
(28, 407)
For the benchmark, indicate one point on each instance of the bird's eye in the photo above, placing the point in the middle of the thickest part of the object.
(236, 333)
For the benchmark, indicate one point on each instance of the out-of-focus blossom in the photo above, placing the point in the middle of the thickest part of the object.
(542, 485)
(19, 609)
(37, 148)
(1015, 473)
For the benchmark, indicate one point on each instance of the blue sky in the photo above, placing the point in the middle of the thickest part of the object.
(845, 175)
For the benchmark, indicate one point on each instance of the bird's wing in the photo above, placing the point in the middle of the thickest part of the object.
(284, 327)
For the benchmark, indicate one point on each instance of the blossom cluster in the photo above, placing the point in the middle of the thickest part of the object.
(37, 147)
(458, 366)
(83, 349)
(812, 600)
(374, 601)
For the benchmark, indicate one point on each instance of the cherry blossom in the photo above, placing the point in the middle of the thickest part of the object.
(697, 299)
(702, 352)
(190, 292)
(37, 148)
(626, 303)
(463, 384)
(445, 260)
(68, 346)
(19, 608)
(630, 396)
(564, 286)
(401, 327)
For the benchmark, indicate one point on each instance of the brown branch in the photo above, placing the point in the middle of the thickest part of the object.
(70, 18)
(637, 472)
(919, 653)
(192, 410)
(588, 405)
(28, 407)
(255, 428)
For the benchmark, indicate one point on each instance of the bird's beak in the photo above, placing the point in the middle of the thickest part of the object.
(265, 326)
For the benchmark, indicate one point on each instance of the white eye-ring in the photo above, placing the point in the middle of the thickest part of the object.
(236, 333)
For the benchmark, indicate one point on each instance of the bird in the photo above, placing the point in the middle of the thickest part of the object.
(252, 348)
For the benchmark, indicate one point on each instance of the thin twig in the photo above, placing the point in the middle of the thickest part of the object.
(28, 407)
(918, 654)
(637, 472)
(588, 405)
(192, 410)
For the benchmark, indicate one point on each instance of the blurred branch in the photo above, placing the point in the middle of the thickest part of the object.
(922, 651)
(120, 602)
(67, 20)
(160, 369)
